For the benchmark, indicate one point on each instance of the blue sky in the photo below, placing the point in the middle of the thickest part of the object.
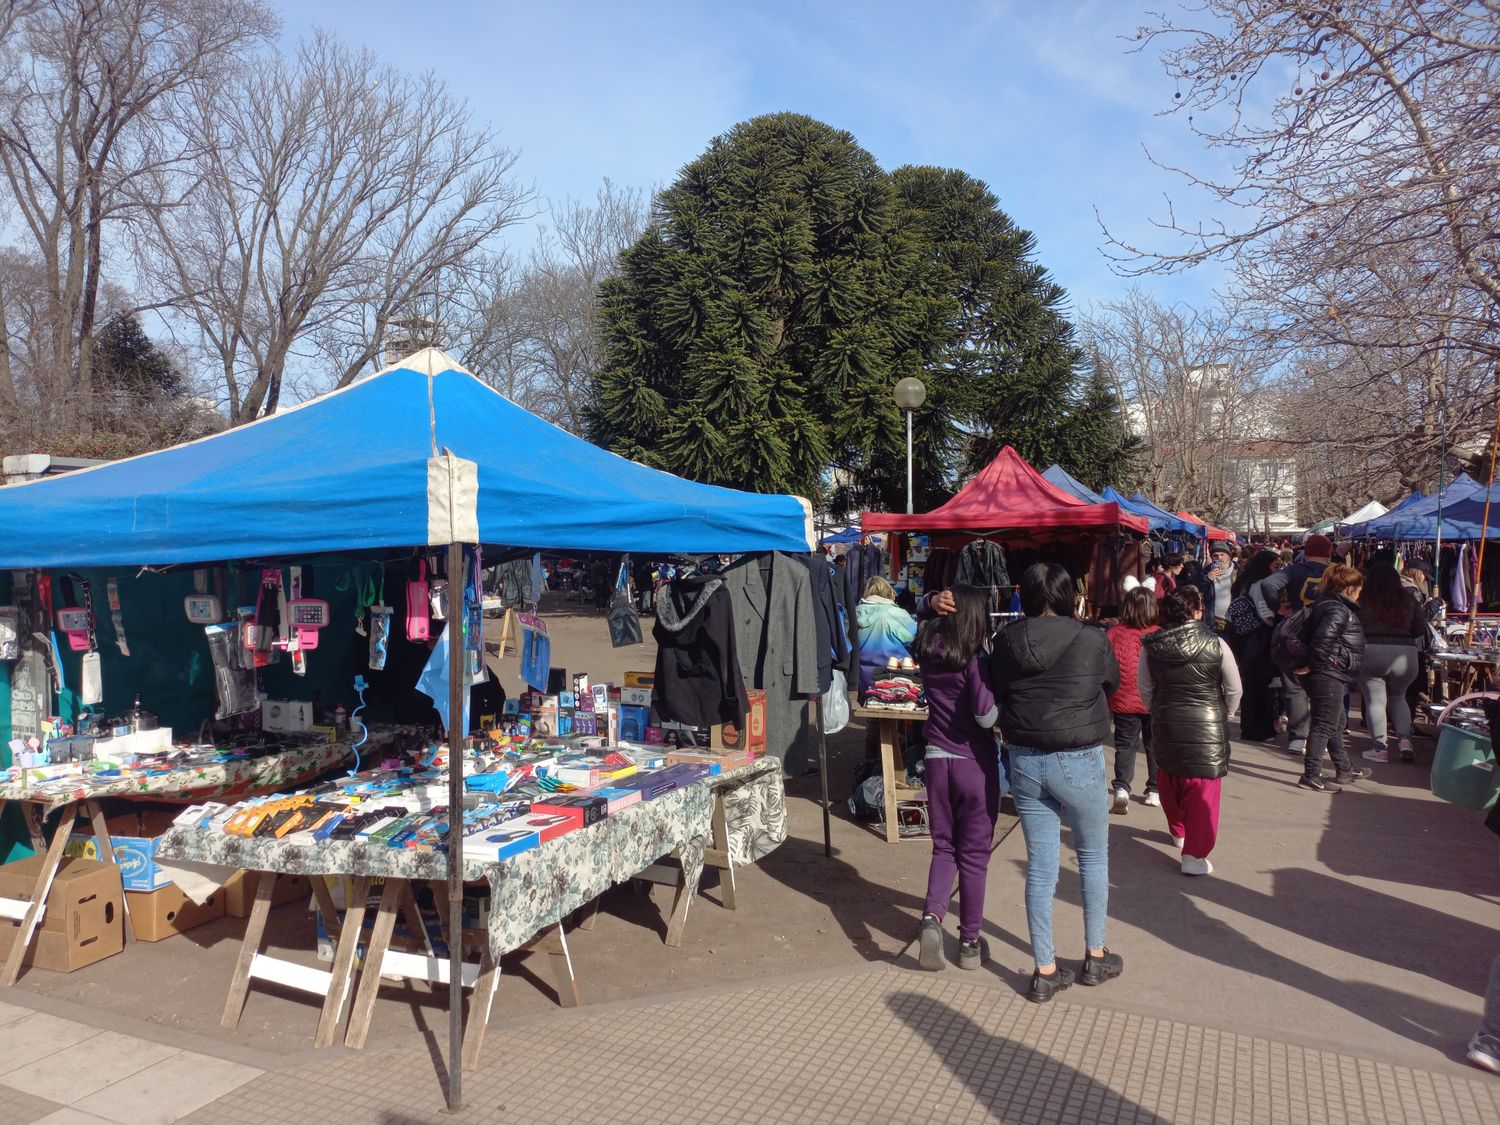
(1039, 99)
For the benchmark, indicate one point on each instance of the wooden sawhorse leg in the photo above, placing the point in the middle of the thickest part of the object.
(718, 855)
(888, 732)
(28, 912)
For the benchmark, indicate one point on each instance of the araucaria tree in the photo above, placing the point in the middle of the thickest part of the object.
(754, 332)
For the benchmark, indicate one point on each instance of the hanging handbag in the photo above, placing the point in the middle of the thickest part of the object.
(418, 606)
(624, 621)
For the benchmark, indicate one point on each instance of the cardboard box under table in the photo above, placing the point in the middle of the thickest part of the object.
(577, 868)
(83, 920)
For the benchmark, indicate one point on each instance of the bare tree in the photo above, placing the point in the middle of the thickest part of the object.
(89, 93)
(336, 196)
(1365, 143)
(534, 334)
(1192, 387)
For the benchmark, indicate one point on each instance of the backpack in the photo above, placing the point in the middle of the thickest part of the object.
(1243, 620)
(1289, 640)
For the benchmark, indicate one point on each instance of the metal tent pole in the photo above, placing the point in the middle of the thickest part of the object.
(457, 690)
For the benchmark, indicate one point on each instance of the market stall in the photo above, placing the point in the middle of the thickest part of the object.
(418, 464)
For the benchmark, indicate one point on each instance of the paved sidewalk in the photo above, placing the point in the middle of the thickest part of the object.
(63, 1072)
(882, 1044)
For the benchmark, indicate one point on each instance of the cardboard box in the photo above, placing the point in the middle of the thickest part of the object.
(640, 679)
(633, 723)
(635, 696)
(162, 913)
(749, 736)
(84, 922)
(239, 896)
(716, 760)
(134, 836)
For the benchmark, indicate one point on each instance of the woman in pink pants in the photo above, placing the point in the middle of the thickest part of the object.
(1190, 683)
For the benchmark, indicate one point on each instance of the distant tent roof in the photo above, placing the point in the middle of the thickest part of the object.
(848, 535)
(1007, 494)
(1072, 485)
(1157, 517)
(1418, 520)
(366, 467)
(1213, 532)
(1373, 510)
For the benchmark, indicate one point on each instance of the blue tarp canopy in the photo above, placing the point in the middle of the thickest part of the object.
(368, 467)
(1418, 519)
(848, 535)
(1069, 483)
(1158, 517)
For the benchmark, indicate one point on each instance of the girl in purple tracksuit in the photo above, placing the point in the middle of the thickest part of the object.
(963, 771)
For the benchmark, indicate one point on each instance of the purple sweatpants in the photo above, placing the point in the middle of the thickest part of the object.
(963, 800)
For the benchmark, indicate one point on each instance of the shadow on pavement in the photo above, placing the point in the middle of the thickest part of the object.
(1380, 927)
(1013, 1081)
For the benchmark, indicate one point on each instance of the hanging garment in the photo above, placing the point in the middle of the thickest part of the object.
(862, 563)
(698, 679)
(982, 563)
(830, 633)
(775, 641)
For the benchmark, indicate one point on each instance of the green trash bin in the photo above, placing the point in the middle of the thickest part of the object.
(1463, 769)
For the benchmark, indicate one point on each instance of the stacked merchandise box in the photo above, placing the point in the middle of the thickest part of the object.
(84, 921)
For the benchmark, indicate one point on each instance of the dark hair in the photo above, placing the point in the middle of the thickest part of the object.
(1254, 570)
(1138, 608)
(1338, 578)
(952, 640)
(1047, 586)
(1174, 559)
(1388, 600)
(1178, 607)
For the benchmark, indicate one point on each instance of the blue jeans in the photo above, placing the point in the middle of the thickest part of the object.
(1047, 785)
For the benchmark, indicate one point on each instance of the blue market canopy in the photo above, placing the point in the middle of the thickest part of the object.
(1156, 516)
(848, 535)
(1419, 519)
(1069, 483)
(421, 454)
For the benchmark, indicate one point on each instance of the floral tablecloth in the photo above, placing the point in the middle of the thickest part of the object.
(218, 780)
(540, 887)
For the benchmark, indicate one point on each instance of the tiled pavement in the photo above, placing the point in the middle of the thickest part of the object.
(881, 1044)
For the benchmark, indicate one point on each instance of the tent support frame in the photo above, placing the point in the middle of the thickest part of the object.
(457, 691)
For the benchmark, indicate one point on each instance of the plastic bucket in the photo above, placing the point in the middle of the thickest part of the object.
(1463, 771)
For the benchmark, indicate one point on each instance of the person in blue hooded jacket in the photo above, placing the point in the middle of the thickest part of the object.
(885, 631)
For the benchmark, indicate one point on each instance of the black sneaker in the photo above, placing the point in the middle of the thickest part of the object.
(1348, 777)
(1097, 970)
(1044, 988)
(971, 954)
(930, 955)
(1317, 785)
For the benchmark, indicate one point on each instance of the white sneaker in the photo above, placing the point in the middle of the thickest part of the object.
(1120, 804)
(1152, 798)
(1194, 865)
(1177, 842)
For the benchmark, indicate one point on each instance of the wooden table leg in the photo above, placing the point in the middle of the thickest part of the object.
(255, 932)
(413, 917)
(589, 914)
(106, 847)
(34, 826)
(682, 899)
(332, 920)
(481, 1000)
(722, 859)
(369, 977)
(350, 929)
(888, 733)
(34, 912)
(554, 943)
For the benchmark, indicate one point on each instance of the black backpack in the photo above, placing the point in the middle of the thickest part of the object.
(1289, 640)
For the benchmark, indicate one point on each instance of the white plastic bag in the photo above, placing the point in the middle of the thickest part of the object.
(835, 705)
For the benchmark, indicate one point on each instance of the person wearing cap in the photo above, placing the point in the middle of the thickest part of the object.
(1221, 574)
(1297, 585)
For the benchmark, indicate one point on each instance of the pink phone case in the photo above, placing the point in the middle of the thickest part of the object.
(418, 606)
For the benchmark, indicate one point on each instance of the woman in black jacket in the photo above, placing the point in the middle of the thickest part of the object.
(1052, 676)
(1335, 647)
(1189, 680)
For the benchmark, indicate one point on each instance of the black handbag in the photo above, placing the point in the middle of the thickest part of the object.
(624, 621)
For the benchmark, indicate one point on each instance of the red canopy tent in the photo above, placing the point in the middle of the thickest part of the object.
(1213, 532)
(1008, 495)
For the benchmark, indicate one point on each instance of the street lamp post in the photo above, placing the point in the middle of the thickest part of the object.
(909, 393)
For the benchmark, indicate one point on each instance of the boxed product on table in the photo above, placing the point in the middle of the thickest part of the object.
(583, 808)
(84, 920)
(501, 841)
(717, 761)
(134, 837)
(635, 697)
(640, 679)
(617, 797)
(656, 783)
(160, 914)
(633, 723)
(749, 735)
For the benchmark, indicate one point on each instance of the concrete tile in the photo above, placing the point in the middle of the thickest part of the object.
(9, 1013)
(169, 1089)
(71, 1116)
(86, 1067)
(36, 1036)
(18, 1108)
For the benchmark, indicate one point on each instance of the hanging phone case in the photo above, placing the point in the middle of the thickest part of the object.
(418, 606)
(90, 680)
(437, 597)
(380, 635)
